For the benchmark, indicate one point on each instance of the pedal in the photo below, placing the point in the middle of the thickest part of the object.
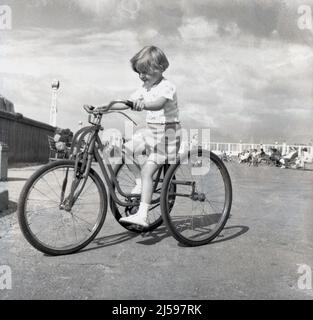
(129, 211)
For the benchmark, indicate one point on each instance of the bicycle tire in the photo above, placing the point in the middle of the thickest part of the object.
(172, 222)
(23, 202)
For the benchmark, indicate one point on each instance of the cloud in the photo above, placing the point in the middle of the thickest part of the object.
(91, 67)
(257, 18)
(197, 29)
(98, 7)
(240, 81)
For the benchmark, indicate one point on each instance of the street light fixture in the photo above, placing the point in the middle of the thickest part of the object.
(55, 85)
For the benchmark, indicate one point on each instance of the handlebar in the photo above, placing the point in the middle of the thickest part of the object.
(104, 109)
(107, 109)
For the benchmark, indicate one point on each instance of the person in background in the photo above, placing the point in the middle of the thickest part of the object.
(289, 158)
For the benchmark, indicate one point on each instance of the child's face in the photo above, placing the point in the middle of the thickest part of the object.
(150, 77)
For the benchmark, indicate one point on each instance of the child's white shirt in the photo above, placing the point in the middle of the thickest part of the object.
(169, 113)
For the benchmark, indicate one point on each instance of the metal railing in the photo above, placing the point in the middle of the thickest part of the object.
(26, 138)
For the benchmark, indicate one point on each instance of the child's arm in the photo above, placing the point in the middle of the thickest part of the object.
(121, 106)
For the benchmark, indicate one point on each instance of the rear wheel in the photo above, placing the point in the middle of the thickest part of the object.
(203, 197)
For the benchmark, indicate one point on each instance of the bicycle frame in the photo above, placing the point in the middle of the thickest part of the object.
(84, 156)
(67, 226)
(83, 162)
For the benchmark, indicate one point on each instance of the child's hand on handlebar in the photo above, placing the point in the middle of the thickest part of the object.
(139, 104)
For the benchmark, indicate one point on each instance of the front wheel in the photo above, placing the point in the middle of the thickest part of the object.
(47, 223)
(203, 197)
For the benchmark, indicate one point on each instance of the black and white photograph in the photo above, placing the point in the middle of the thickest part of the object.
(156, 151)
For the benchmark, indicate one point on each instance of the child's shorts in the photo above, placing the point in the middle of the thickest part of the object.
(160, 141)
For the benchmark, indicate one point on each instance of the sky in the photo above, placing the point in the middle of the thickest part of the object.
(241, 68)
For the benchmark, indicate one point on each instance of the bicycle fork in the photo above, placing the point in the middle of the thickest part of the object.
(81, 173)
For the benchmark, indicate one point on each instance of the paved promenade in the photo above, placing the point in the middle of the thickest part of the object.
(269, 233)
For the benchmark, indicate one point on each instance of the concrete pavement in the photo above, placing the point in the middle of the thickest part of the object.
(257, 256)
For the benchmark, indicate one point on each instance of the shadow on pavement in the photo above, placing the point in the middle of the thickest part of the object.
(153, 237)
(232, 235)
(12, 207)
(110, 240)
(162, 233)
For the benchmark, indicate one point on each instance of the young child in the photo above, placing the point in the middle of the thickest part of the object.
(158, 96)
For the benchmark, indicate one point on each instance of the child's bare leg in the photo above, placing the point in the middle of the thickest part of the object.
(131, 150)
(140, 218)
(147, 181)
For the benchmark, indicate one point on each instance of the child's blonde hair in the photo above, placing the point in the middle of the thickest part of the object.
(148, 59)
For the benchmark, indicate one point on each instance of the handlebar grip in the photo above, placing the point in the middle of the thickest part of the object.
(129, 104)
(88, 108)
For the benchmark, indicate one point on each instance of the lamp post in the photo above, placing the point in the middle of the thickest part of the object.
(53, 108)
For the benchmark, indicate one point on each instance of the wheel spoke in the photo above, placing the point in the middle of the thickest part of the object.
(52, 229)
(45, 195)
(198, 219)
(52, 189)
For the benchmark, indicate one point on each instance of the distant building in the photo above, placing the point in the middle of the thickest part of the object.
(6, 105)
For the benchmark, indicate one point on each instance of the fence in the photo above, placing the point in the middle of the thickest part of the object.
(230, 148)
(235, 148)
(27, 139)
